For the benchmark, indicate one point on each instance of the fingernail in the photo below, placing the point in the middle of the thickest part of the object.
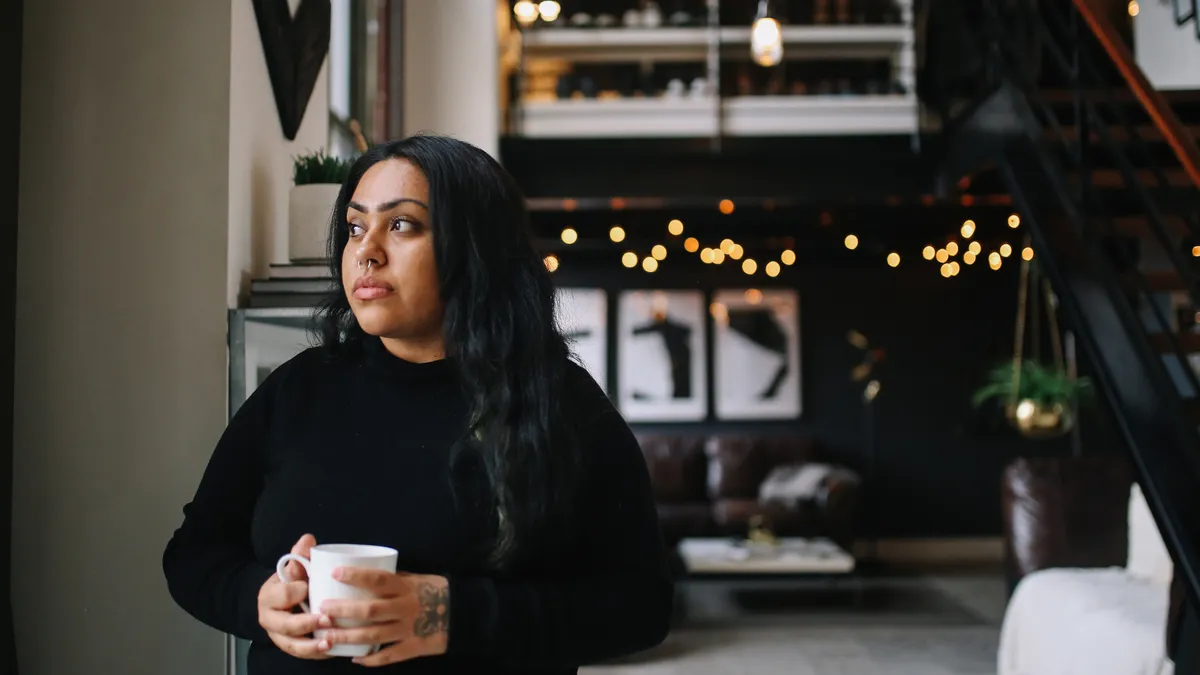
(323, 645)
(325, 621)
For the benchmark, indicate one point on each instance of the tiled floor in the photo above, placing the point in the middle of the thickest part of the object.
(946, 625)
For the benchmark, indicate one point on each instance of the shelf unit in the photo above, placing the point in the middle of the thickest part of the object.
(707, 113)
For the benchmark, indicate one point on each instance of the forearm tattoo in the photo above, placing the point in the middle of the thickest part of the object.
(435, 610)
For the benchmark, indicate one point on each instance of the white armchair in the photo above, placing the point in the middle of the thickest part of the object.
(1108, 621)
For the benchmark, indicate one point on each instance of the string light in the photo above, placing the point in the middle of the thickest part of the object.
(1027, 253)
(754, 296)
(772, 269)
(617, 234)
(691, 245)
(788, 257)
(994, 260)
(952, 248)
(629, 260)
(649, 264)
(968, 229)
(727, 246)
(766, 38)
(549, 9)
(946, 270)
(943, 255)
(1196, 251)
(969, 258)
(726, 206)
(526, 13)
(1014, 221)
(749, 266)
(675, 227)
(851, 242)
(706, 256)
(893, 259)
(737, 252)
(954, 268)
(928, 252)
(974, 248)
(659, 252)
(570, 236)
(551, 262)
(1005, 250)
(1134, 8)
(718, 256)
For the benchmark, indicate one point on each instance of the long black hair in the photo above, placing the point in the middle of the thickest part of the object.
(499, 328)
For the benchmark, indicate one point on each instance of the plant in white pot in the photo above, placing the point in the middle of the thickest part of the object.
(317, 178)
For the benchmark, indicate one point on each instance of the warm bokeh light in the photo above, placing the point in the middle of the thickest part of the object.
(1014, 221)
(727, 246)
(749, 266)
(994, 260)
(893, 259)
(788, 257)
(772, 269)
(954, 268)
(1005, 250)
(968, 229)
(928, 252)
(1027, 253)
(737, 252)
(691, 245)
(720, 312)
(726, 206)
(706, 255)
(675, 227)
(551, 262)
(649, 264)
(549, 9)
(754, 296)
(617, 234)
(718, 256)
(1134, 8)
(851, 242)
(629, 260)
(974, 248)
(570, 236)
(969, 258)
(526, 12)
(659, 252)
(942, 255)
(1196, 251)
(952, 248)
(946, 270)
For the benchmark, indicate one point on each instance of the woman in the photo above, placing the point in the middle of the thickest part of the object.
(439, 416)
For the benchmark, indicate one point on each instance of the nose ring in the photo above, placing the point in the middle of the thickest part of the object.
(368, 265)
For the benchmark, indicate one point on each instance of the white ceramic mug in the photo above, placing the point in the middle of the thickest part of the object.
(323, 560)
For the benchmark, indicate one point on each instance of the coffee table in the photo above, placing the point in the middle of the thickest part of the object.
(792, 556)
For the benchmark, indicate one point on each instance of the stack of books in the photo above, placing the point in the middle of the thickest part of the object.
(292, 285)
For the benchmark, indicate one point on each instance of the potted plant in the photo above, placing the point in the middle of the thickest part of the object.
(1037, 400)
(317, 178)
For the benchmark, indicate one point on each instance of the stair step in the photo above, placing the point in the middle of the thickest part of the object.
(1188, 342)
(1139, 226)
(1146, 132)
(1113, 179)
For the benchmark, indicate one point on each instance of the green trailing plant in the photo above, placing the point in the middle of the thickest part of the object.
(318, 167)
(1042, 385)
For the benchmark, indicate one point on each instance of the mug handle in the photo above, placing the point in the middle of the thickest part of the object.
(281, 570)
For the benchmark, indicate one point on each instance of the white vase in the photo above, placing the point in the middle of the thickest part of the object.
(310, 209)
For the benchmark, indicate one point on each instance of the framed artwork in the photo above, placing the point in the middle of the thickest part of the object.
(661, 350)
(756, 340)
(583, 317)
(270, 344)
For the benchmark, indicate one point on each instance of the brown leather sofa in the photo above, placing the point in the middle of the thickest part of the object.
(708, 486)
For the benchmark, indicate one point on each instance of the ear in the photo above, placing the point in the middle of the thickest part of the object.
(295, 47)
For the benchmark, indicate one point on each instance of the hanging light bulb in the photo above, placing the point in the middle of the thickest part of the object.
(526, 13)
(766, 38)
(551, 262)
(675, 227)
(968, 228)
(928, 252)
(630, 259)
(549, 9)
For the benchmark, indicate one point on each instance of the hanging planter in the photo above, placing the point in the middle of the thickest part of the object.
(1039, 400)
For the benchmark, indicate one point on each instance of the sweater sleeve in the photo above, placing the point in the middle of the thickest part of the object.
(209, 563)
(616, 602)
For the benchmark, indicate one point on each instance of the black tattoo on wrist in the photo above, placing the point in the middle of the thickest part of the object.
(435, 610)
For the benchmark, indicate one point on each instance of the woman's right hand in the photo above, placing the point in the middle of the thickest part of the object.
(291, 631)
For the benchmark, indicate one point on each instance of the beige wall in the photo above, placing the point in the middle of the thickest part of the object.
(260, 158)
(450, 71)
(120, 325)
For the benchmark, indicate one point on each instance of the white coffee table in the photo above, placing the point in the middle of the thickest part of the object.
(792, 556)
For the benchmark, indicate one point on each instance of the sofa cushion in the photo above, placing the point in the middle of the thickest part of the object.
(677, 466)
(739, 464)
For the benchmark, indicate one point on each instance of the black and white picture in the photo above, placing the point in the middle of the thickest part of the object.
(270, 344)
(583, 317)
(660, 356)
(757, 354)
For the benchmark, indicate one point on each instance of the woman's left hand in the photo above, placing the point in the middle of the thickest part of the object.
(410, 616)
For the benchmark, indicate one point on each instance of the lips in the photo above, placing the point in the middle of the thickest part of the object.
(370, 288)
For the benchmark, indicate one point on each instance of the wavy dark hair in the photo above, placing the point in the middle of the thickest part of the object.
(499, 327)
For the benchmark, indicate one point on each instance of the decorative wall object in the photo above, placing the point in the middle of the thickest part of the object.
(660, 354)
(295, 47)
(757, 354)
(583, 316)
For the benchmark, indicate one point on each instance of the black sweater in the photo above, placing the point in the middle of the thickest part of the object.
(355, 449)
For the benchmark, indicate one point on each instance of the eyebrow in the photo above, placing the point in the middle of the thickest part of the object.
(387, 206)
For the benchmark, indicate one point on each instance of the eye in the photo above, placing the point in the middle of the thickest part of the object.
(403, 225)
(356, 230)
